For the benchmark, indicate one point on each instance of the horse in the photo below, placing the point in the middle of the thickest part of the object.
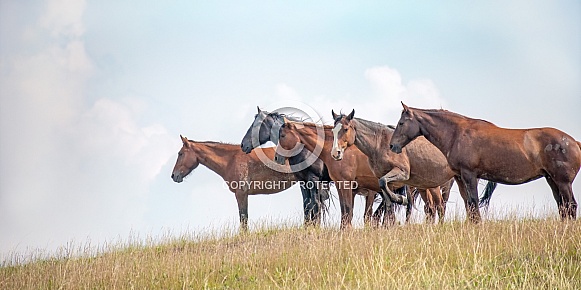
(479, 149)
(265, 128)
(421, 166)
(313, 197)
(245, 174)
(354, 167)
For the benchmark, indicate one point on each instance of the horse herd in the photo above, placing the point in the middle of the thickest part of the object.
(423, 155)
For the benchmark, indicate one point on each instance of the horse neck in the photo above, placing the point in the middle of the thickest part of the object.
(439, 127)
(215, 156)
(370, 136)
(308, 136)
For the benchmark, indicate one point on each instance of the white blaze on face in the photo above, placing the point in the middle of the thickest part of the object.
(335, 137)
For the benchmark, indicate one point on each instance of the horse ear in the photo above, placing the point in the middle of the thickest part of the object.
(334, 115)
(258, 109)
(350, 116)
(184, 140)
(405, 108)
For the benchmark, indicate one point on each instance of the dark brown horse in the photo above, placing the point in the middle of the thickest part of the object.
(479, 149)
(306, 168)
(421, 165)
(353, 167)
(245, 174)
(264, 128)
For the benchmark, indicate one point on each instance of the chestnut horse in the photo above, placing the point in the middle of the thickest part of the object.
(245, 174)
(479, 149)
(353, 167)
(265, 128)
(421, 165)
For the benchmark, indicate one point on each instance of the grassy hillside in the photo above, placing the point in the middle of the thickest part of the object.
(534, 254)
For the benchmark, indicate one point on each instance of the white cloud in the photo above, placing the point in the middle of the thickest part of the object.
(391, 89)
(284, 91)
(64, 17)
(383, 105)
(71, 168)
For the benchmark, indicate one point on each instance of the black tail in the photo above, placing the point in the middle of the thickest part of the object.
(401, 191)
(485, 199)
(380, 211)
(324, 195)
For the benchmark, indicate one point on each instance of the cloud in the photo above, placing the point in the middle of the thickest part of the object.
(71, 167)
(390, 89)
(285, 92)
(64, 17)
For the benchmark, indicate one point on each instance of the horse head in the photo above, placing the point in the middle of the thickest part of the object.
(264, 127)
(408, 129)
(187, 161)
(289, 143)
(343, 134)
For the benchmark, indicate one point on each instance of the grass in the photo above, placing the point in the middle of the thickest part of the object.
(519, 254)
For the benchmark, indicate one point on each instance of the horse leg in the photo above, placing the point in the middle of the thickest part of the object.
(389, 214)
(396, 174)
(317, 206)
(378, 212)
(429, 208)
(437, 198)
(242, 200)
(563, 194)
(411, 199)
(306, 205)
(445, 189)
(471, 185)
(346, 204)
(369, 199)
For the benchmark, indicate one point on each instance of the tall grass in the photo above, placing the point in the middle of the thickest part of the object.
(517, 253)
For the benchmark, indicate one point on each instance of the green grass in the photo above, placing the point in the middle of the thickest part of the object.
(534, 254)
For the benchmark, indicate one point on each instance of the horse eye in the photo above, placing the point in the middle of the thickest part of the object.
(401, 123)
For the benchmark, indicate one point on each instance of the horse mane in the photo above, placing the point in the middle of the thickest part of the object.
(367, 123)
(310, 124)
(373, 124)
(438, 111)
(214, 142)
(279, 116)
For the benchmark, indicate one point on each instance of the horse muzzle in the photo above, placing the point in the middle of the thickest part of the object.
(395, 148)
(177, 177)
(279, 159)
(337, 154)
(246, 149)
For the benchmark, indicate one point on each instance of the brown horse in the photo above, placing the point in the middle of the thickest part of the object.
(479, 149)
(353, 167)
(421, 165)
(245, 174)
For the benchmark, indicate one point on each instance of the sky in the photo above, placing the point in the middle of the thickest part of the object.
(94, 96)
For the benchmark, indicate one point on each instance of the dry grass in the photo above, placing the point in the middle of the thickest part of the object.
(534, 254)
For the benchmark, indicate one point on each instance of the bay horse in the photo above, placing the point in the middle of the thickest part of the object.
(264, 128)
(479, 149)
(353, 167)
(245, 174)
(421, 165)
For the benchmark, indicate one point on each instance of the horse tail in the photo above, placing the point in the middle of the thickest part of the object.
(488, 190)
(324, 195)
(401, 191)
